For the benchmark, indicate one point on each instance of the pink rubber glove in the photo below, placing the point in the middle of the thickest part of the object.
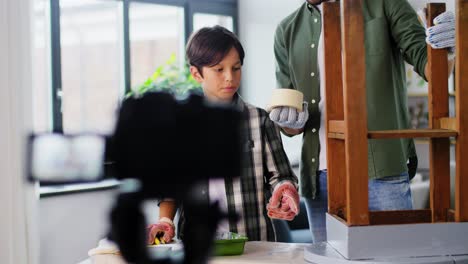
(284, 203)
(164, 230)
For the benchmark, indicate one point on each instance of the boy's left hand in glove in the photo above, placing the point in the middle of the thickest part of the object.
(284, 202)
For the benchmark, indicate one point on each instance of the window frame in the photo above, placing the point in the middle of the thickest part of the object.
(215, 7)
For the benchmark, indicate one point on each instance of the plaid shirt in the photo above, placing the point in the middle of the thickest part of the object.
(265, 164)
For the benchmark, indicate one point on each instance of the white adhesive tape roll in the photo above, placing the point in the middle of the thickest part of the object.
(286, 97)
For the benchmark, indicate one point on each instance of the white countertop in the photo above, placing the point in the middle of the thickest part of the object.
(255, 252)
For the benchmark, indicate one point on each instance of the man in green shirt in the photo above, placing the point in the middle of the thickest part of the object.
(393, 34)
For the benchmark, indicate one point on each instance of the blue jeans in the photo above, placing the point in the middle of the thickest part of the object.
(389, 193)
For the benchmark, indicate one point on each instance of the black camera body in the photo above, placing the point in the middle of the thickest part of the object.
(169, 146)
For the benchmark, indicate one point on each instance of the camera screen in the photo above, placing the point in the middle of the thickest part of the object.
(63, 158)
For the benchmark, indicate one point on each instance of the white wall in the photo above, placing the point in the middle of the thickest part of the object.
(257, 24)
(17, 201)
(72, 224)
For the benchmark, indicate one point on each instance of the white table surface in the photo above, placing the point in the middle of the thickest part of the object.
(266, 252)
(256, 252)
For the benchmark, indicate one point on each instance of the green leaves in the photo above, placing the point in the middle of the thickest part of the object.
(169, 77)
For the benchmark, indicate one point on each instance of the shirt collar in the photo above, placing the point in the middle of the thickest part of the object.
(312, 8)
(237, 102)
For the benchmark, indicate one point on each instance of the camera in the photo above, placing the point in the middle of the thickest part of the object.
(162, 147)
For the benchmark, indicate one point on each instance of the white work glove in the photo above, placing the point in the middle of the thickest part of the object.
(284, 202)
(442, 34)
(289, 117)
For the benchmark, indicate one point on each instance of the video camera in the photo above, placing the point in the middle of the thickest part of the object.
(167, 146)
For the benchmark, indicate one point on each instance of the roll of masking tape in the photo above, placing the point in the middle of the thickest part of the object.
(286, 97)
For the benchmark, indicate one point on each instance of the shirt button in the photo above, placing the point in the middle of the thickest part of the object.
(314, 130)
(203, 191)
(312, 45)
(315, 20)
(312, 74)
(313, 160)
(313, 101)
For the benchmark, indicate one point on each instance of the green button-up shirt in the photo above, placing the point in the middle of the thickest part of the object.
(393, 34)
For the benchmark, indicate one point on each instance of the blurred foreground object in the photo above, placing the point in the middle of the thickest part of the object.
(162, 148)
(170, 146)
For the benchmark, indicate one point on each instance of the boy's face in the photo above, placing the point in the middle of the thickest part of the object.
(221, 81)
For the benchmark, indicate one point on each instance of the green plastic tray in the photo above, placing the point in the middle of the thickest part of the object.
(230, 247)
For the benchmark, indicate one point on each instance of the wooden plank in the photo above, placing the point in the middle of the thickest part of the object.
(412, 133)
(336, 183)
(400, 217)
(336, 136)
(332, 61)
(439, 149)
(355, 112)
(336, 126)
(438, 73)
(439, 178)
(448, 123)
(461, 100)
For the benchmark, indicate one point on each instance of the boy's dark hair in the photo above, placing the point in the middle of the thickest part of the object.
(209, 45)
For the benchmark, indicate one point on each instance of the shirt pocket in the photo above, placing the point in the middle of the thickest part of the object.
(377, 37)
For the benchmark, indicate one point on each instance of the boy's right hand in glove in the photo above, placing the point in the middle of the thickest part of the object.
(161, 232)
(284, 202)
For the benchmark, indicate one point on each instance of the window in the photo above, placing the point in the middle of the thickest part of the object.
(156, 33)
(208, 20)
(91, 61)
(96, 50)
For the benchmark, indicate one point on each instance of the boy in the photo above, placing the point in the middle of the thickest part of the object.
(216, 56)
